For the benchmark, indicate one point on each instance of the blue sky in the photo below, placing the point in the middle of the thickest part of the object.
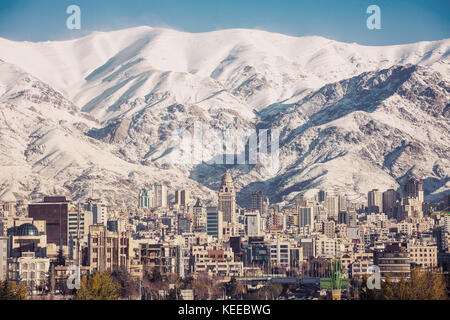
(343, 20)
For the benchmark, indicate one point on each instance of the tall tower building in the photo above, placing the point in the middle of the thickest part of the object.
(305, 216)
(182, 197)
(160, 196)
(259, 203)
(375, 201)
(321, 196)
(198, 217)
(332, 205)
(227, 199)
(143, 199)
(54, 211)
(390, 198)
(214, 222)
(342, 203)
(413, 189)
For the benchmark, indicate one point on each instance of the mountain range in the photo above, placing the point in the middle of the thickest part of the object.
(94, 116)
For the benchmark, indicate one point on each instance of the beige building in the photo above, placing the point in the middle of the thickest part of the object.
(29, 270)
(217, 262)
(227, 199)
(108, 251)
(423, 255)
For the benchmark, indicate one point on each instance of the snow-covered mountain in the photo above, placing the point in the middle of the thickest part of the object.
(96, 114)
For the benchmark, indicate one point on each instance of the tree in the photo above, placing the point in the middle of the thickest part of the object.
(387, 289)
(98, 287)
(421, 285)
(60, 260)
(233, 288)
(12, 291)
(156, 275)
(128, 287)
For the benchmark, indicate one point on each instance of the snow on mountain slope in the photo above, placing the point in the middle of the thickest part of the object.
(351, 117)
(372, 130)
(44, 148)
(259, 67)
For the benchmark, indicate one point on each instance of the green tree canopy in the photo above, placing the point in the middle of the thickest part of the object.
(99, 286)
(421, 285)
(13, 291)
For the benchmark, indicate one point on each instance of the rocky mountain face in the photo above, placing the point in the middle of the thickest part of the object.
(97, 117)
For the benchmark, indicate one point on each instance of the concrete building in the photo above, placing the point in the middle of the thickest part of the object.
(423, 255)
(54, 211)
(252, 224)
(259, 203)
(28, 236)
(390, 198)
(182, 197)
(198, 217)
(332, 206)
(108, 251)
(375, 201)
(216, 262)
(324, 247)
(160, 196)
(329, 229)
(305, 216)
(394, 261)
(214, 222)
(227, 199)
(30, 270)
(163, 257)
(280, 254)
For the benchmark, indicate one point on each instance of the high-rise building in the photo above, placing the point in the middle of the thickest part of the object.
(305, 216)
(259, 202)
(144, 199)
(342, 202)
(280, 255)
(54, 211)
(329, 229)
(227, 199)
(160, 196)
(375, 201)
(344, 217)
(184, 223)
(99, 212)
(390, 198)
(413, 189)
(108, 251)
(252, 224)
(198, 217)
(321, 196)
(182, 197)
(214, 222)
(332, 205)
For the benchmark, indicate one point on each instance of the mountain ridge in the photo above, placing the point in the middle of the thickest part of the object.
(338, 108)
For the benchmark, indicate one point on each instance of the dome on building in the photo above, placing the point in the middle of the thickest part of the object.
(26, 229)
